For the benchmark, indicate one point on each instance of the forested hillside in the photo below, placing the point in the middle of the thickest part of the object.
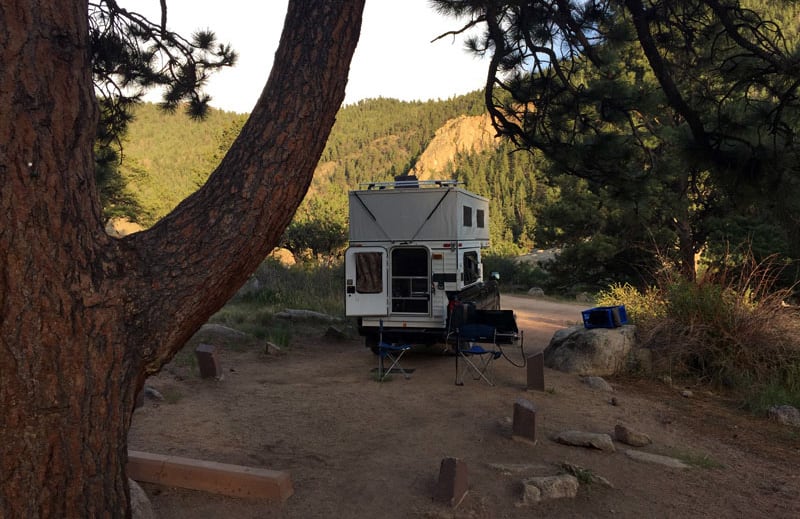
(167, 156)
(617, 207)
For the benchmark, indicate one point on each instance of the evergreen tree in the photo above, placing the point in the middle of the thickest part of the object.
(688, 110)
(86, 317)
(130, 55)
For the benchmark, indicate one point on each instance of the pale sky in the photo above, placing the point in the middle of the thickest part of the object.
(394, 57)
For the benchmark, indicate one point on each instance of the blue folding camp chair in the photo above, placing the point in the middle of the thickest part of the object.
(477, 359)
(393, 352)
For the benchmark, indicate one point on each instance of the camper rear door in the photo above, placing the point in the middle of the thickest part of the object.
(366, 281)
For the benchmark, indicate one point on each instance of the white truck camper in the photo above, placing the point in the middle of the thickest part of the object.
(415, 249)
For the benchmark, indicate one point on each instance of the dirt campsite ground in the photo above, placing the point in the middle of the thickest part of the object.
(356, 448)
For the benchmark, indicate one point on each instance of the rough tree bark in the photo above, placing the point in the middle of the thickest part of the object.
(86, 317)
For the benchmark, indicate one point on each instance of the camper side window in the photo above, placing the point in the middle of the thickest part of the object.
(467, 216)
(471, 268)
(369, 275)
(479, 220)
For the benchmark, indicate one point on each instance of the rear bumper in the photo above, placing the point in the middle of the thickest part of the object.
(406, 335)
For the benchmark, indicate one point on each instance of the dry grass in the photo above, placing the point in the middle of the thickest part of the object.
(731, 329)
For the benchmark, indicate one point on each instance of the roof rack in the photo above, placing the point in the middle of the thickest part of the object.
(397, 184)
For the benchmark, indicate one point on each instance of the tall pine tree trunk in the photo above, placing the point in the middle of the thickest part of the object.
(86, 317)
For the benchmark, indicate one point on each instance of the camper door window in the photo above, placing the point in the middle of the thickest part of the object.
(410, 280)
(472, 270)
(369, 275)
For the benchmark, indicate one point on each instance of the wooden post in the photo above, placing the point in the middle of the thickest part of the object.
(524, 426)
(209, 476)
(453, 483)
(535, 365)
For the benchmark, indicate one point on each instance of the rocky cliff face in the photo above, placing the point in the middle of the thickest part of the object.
(465, 134)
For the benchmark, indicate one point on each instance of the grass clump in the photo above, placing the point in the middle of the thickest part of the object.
(699, 460)
(280, 336)
(187, 360)
(514, 273)
(307, 285)
(583, 475)
(639, 306)
(275, 287)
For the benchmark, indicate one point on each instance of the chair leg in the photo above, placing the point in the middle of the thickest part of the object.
(395, 362)
(459, 379)
(481, 369)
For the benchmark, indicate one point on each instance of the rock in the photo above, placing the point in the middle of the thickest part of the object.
(584, 297)
(153, 393)
(597, 383)
(464, 133)
(217, 334)
(119, 227)
(536, 292)
(270, 348)
(335, 334)
(283, 256)
(630, 437)
(785, 415)
(665, 461)
(141, 508)
(599, 441)
(292, 315)
(505, 423)
(543, 488)
(595, 351)
(686, 393)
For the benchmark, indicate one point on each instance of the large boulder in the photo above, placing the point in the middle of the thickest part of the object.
(536, 292)
(595, 351)
(119, 227)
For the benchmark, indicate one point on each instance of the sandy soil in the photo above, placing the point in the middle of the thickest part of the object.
(356, 448)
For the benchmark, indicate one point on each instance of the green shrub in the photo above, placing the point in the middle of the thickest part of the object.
(513, 273)
(767, 395)
(639, 306)
(307, 285)
(731, 328)
(281, 336)
(304, 286)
